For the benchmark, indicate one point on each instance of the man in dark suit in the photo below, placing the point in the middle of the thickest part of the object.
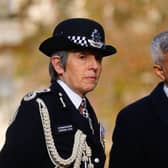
(140, 138)
(57, 127)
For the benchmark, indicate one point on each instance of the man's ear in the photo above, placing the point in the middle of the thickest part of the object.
(158, 70)
(55, 60)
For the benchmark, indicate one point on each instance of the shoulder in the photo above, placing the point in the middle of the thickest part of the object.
(136, 110)
(138, 104)
(28, 106)
(34, 94)
(133, 117)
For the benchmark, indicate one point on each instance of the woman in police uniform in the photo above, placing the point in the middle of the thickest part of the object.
(51, 128)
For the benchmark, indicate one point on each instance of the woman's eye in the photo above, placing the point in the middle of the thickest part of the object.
(82, 56)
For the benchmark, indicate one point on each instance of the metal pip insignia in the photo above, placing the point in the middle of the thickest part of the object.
(31, 95)
(65, 128)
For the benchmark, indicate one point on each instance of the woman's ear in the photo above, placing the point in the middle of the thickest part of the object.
(55, 60)
(158, 70)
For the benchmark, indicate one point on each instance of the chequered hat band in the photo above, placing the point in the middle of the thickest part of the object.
(84, 42)
(81, 40)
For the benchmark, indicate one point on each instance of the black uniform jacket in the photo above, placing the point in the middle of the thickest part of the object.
(25, 144)
(140, 138)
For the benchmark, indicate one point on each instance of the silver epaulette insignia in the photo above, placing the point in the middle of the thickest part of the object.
(31, 95)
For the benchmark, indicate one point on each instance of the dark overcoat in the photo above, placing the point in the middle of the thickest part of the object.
(25, 143)
(140, 138)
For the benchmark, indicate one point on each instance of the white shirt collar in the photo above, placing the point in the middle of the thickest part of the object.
(165, 88)
(75, 98)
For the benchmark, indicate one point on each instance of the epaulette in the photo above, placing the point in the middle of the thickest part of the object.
(31, 95)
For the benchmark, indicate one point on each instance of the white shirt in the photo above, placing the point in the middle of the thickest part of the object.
(75, 98)
(165, 88)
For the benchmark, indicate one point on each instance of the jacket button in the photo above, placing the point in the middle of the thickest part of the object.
(96, 160)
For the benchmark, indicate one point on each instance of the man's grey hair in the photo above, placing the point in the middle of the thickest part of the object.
(159, 46)
(63, 60)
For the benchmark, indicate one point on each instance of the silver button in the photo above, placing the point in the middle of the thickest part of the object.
(96, 160)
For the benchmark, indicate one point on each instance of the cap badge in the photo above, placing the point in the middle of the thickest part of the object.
(95, 40)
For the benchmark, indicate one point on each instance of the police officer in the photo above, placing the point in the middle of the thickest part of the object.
(57, 127)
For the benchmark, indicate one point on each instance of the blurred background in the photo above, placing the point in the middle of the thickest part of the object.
(127, 76)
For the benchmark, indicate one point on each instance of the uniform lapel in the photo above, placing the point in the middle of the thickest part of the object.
(96, 137)
(77, 119)
(82, 123)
